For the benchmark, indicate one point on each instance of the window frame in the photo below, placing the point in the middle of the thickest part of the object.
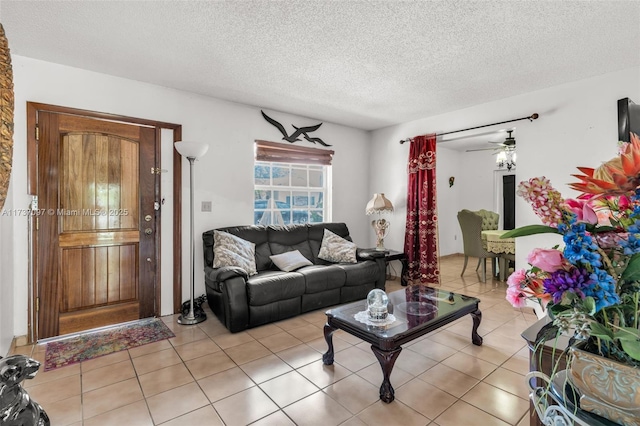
(272, 154)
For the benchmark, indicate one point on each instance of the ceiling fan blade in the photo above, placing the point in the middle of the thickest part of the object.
(480, 149)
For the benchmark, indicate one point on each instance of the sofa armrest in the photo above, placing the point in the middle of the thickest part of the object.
(226, 272)
(227, 296)
(379, 257)
(369, 254)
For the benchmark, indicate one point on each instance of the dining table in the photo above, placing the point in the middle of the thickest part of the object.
(493, 242)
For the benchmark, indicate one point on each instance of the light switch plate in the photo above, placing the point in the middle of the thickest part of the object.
(206, 206)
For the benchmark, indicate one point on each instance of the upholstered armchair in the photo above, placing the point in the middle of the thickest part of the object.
(471, 226)
(490, 220)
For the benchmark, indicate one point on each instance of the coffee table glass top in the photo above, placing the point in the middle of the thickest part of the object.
(416, 306)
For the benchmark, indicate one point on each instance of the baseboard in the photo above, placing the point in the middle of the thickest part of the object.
(16, 342)
(451, 255)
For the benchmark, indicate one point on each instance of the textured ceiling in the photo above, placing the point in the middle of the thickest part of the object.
(366, 64)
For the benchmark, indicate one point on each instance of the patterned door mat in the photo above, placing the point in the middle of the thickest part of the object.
(94, 344)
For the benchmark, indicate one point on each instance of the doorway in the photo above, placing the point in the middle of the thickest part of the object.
(509, 201)
(504, 197)
(95, 244)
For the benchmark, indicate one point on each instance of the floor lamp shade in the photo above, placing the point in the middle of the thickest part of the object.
(191, 150)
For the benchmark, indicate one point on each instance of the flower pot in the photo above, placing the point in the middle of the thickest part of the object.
(608, 388)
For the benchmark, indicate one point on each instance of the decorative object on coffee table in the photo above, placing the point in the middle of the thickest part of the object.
(379, 204)
(377, 302)
(16, 406)
(192, 151)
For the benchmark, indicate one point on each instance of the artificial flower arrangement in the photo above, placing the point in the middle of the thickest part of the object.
(591, 286)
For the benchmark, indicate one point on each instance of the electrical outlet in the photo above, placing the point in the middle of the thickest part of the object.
(206, 206)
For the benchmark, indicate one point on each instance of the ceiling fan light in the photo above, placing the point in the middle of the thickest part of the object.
(502, 156)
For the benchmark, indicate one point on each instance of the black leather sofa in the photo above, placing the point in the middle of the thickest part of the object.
(242, 302)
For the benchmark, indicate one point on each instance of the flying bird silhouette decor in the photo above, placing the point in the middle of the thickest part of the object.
(299, 131)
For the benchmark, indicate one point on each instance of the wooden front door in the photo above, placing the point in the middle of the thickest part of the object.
(96, 237)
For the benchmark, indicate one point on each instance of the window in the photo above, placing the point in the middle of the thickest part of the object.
(294, 191)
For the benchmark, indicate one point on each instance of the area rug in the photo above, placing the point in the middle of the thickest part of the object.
(98, 343)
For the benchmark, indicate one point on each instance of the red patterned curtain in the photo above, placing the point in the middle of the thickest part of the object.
(421, 236)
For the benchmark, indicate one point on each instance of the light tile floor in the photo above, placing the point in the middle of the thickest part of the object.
(274, 375)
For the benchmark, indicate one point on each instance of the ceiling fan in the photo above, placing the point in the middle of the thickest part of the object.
(509, 144)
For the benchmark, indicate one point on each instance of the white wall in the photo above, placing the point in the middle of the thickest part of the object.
(577, 127)
(6, 280)
(224, 175)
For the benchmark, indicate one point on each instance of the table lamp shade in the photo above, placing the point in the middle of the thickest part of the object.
(191, 149)
(379, 204)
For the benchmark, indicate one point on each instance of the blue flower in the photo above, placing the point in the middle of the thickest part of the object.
(603, 289)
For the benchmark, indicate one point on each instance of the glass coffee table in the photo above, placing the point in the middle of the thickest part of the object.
(414, 312)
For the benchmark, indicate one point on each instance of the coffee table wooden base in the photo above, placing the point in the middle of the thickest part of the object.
(433, 309)
(476, 339)
(386, 359)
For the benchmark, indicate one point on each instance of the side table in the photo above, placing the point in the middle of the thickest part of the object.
(390, 255)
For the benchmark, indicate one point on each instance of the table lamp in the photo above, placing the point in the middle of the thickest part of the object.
(379, 205)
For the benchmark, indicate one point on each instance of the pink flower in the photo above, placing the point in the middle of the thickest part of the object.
(516, 279)
(582, 210)
(516, 297)
(624, 202)
(549, 260)
(607, 240)
(523, 286)
(545, 200)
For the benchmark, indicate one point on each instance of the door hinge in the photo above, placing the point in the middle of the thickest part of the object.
(37, 133)
(157, 170)
(37, 223)
(37, 304)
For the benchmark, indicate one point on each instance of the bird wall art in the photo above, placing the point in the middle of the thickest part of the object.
(299, 131)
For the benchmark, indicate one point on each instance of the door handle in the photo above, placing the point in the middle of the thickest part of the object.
(148, 231)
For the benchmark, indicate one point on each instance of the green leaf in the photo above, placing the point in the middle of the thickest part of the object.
(599, 229)
(632, 271)
(598, 330)
(626, 333)
(632, 348)
(590, 305)
(546, 333)
(557, 310)
(523, 231)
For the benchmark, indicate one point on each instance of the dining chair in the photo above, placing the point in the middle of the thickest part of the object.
(471, 226)
(490, 220)
(506, 259)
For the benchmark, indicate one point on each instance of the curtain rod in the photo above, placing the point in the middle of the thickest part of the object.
(532, 117)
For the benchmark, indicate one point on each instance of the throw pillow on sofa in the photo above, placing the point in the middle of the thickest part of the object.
(336, 249)
(290, 261)
(229, 250)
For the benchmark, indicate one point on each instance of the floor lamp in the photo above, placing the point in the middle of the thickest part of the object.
(192, 151)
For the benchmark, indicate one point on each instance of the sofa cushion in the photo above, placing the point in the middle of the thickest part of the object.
(318, 278)
(360, 273)
(229, 250)
(316, 234)
(288, 238)
(334, 248)
(258, 235)
(290, 261)
(271, 286)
